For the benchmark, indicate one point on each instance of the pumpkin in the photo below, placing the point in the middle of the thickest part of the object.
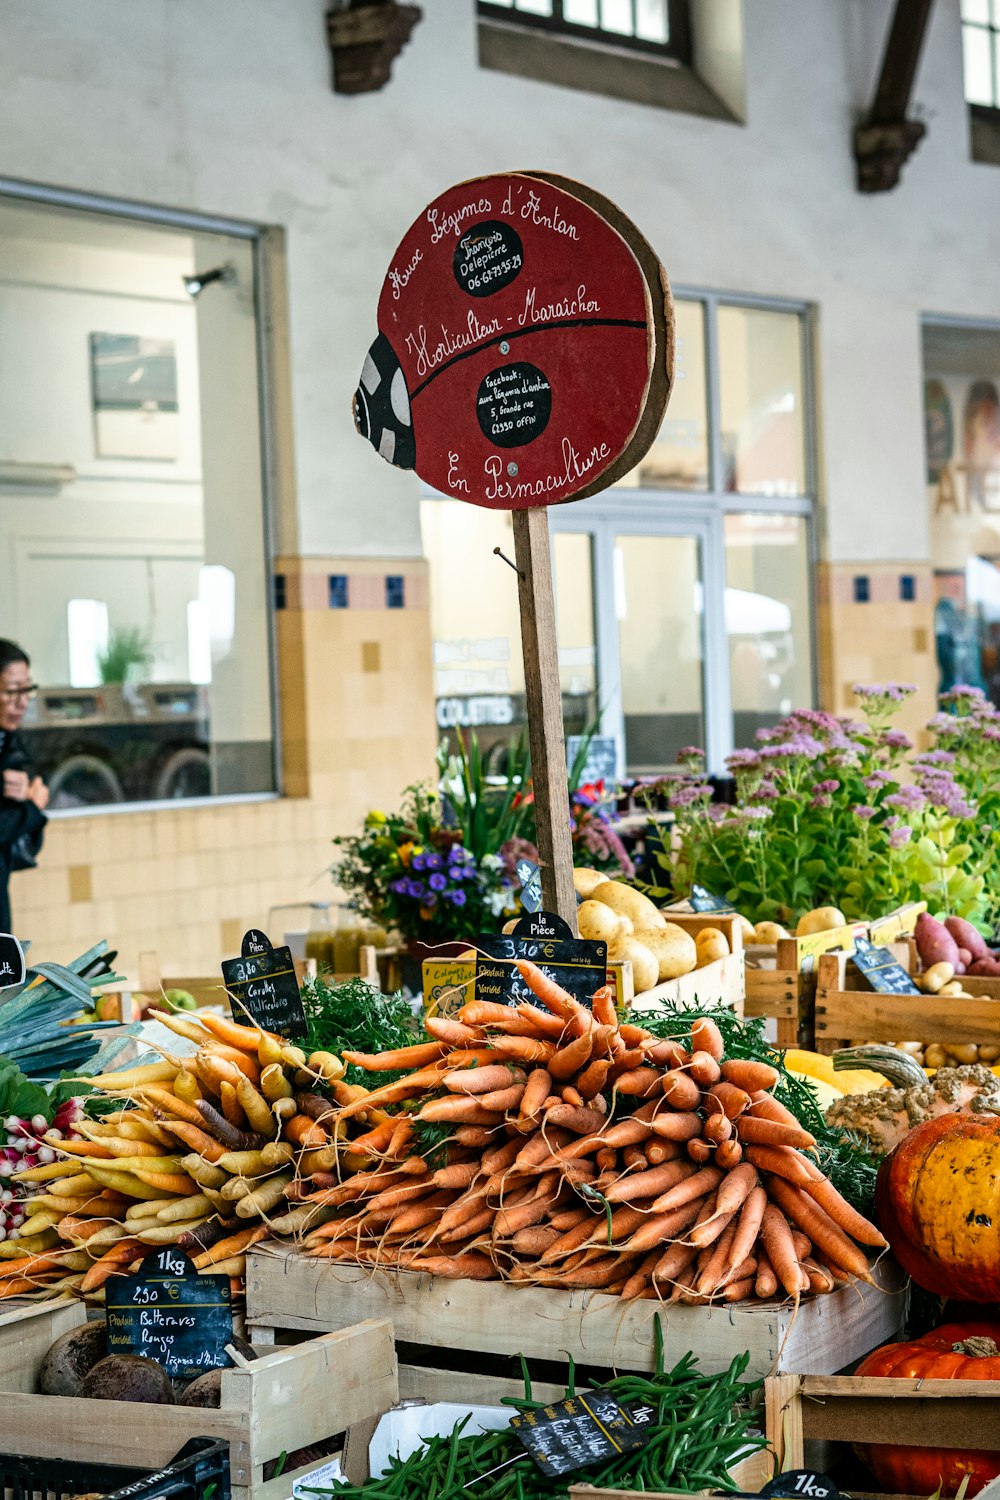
(956, 1351)
(937, 1201)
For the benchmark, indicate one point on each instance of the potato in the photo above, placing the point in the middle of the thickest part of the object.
(769, 932)
(675, 950)
(951, 987)
(936, 977)
(913, 1049)
(962, 1052)
(645, 967)
(989, 1054)
(746, 928)
(820, 919)
(598, 923)
(633, 904)
(935, 1056)
(711, 944)
(585, 881)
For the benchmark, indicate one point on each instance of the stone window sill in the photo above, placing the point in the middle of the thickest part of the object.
(616, 73)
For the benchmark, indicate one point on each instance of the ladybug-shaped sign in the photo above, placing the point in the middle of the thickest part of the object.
(525, 346)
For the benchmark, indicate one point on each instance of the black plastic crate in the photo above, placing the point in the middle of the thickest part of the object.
(199, 1472)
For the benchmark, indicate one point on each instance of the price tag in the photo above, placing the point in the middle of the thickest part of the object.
(801, 1482)
(544, 924)
(530, 877)
(703, 900)
(11, 961)
(263, 984)
(881, 970)
(579, 967)
(582, 1430)
(169, 1313)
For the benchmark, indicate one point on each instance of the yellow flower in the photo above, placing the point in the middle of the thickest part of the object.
(375, 817)
(406, 853)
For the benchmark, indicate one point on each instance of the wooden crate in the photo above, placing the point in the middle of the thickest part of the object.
(749, 1474)
(286, 1290)
(867, 1409)
(287, 1399)
(776, 987)
(848, 1012)
(720, 983)
(27, 1331)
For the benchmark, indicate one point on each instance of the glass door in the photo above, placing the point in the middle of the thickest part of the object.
(659, 612)
(659, 631)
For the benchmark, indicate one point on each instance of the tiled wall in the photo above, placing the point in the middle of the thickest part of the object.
(875, 623)
(357, 725)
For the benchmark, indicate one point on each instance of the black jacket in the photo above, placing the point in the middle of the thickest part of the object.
(16, 819)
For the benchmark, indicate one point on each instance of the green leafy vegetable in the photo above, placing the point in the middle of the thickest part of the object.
(356, 1016)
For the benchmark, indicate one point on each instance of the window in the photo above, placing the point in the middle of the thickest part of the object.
(962, 434)
(670, 54)
(683, 600)
(133, 564)
(981, 52)
(659, 26)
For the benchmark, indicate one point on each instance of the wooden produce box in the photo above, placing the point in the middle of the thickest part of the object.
(867, 1409)
(781, 979)
(849, 1012)
(448, 1323)
(748, 1474)
(288, 1399)
(27, 1331)
(449, 983)
(722, 982)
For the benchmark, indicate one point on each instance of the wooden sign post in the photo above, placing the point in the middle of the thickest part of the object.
(524, 358)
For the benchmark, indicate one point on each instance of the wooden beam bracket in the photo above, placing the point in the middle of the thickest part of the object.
(365, 41)
(886, 138)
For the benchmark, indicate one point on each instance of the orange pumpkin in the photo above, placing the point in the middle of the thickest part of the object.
(957, 1351)
(938, 1203)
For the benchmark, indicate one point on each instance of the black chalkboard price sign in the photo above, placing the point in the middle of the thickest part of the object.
(578, 966)
(11, 961)
(881, 970)
(263, 985)
(530, 877)
(801, 1482)
(582, 1430)
(703, 900)
(169, 1313)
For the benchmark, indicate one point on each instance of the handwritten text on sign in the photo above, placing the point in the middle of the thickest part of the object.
(514, 348)
(264, 985)
(169, 1313)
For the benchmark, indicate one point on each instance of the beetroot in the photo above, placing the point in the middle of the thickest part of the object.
(966, 936)
(935, 943)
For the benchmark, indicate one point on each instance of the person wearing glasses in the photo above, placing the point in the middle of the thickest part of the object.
(23, 797)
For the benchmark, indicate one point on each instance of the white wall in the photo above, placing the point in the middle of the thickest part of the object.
(227, 108)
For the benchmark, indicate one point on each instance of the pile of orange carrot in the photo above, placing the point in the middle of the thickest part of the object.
(586, 1153)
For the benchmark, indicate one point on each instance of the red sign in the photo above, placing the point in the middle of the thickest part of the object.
(521, 344)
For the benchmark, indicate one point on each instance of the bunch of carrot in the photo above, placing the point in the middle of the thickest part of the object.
(584, 1152)
(201, 1154)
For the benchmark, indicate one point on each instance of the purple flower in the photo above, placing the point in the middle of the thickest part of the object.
(864, 813)
(689, 752)
(743, 760)
(432, 862)
(437, 882)
(895, 739)
(892, 692)
(799, 747)
(400, 886)
(824, 788)
(766, 791)
(876, 779)
(907, 799)
(990, 732)
(962, 691)
(415, 889)
(686, 795)
(944, 792)
(419, 862)
(935, 758)
(457, 898)
(819, 799)
(900, 836)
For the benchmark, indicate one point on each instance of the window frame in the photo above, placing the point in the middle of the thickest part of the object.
(265, 270)
(677, 48)
(699, 513)
(992, 30)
